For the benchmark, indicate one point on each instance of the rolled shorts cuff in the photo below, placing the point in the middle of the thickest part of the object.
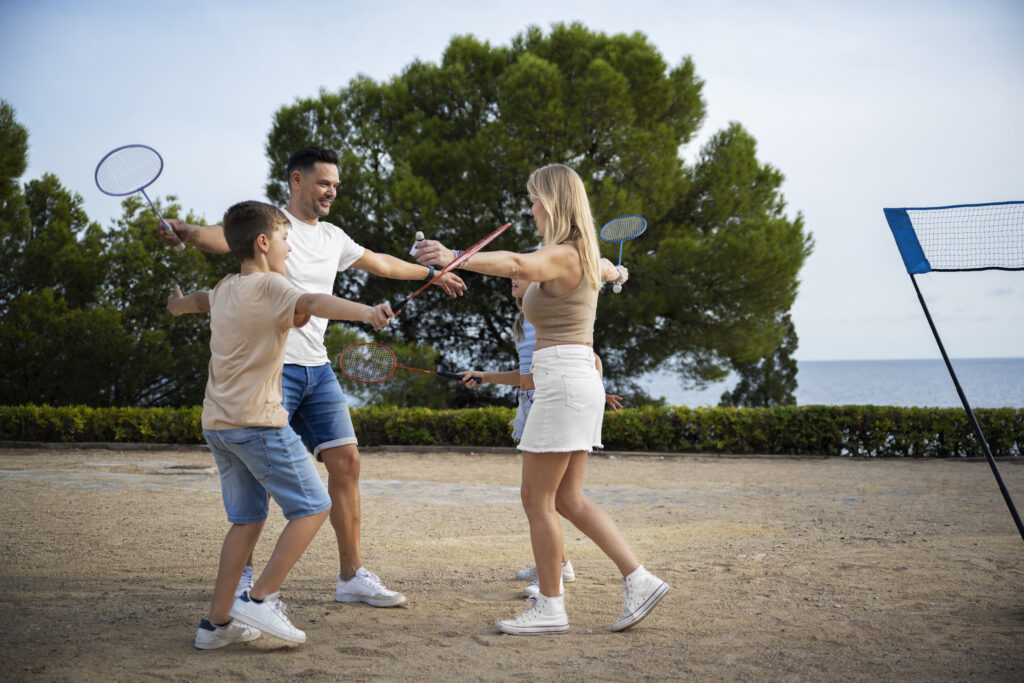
(346, 441)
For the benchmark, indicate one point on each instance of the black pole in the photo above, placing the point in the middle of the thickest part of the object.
(970, 413)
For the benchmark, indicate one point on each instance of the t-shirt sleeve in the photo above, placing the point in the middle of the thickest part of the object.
(350, 251)
(282, 296)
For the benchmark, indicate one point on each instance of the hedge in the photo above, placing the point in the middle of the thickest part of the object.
(877, 431)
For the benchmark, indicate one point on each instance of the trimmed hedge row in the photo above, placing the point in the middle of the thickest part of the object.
(879, 431)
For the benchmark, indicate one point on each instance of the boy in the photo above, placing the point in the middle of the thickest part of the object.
(246, 427)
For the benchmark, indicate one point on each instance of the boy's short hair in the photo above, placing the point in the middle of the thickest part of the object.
(245, 221)
(306, 158)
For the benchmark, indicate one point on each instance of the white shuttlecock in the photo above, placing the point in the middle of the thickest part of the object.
(419, 235)
(617, 288)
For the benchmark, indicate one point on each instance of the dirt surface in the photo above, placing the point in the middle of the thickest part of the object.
(781, 569)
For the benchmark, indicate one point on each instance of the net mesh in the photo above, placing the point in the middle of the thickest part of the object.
(623, 228)
(978, 237)
(128, 170)
(368, 362)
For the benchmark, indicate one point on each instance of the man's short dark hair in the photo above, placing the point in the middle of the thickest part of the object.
(306, 158)
(245, 221)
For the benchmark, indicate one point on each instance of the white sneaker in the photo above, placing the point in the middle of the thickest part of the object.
(269, 616)
(533, 590)
(368, 588)
(210, 637)
(568, 574)
(643, 591)
(245, 583)
(544, 615)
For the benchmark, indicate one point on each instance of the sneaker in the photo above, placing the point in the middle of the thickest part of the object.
(269, 616)
(568, 575)
(643, 591)
(544, 615)
(245, 583)
(533, 590)
(368, 588)
(210, 637)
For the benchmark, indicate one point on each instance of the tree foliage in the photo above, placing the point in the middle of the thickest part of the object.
(83, 315)
(446, 148)
(770, 381)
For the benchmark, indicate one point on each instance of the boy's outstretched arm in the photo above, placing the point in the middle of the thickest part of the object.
(334, 308)
(196, 302)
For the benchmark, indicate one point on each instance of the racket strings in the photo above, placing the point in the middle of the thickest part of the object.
(368, 362)
(128, 170)
(624, 228)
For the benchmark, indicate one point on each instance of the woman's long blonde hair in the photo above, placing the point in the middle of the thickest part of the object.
(561, 192)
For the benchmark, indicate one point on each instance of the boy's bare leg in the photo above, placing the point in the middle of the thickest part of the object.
(294, 540)
(238, 543)
(342, 464)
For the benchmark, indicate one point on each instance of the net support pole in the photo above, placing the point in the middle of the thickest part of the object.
(970, 413)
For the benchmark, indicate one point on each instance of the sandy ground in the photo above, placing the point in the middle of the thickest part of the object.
(781, 569)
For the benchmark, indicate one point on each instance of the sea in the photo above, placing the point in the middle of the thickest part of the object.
(987, 383)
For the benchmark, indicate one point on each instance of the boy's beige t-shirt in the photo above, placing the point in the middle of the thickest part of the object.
(250, 316)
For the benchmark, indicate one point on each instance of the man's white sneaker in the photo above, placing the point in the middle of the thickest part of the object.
(533, 590)
(269, 616)
(544, 615)
(568, 574)
(210, 637)
(368, 588)
(643, 591)
(245, 583)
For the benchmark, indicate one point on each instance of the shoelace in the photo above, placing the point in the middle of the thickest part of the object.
(525, 616)
(280, 608)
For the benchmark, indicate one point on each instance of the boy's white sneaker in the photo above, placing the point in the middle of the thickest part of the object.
(245, 583)
(366, 587)
(210, 637)
(643, 591)
(533, 589)
(269, 616)
(568, 574)
(544, 615)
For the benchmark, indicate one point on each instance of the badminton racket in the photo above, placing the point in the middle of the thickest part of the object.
(130, 169)
(453, 265)
(398, 305)
(622, 229)
(371, 363)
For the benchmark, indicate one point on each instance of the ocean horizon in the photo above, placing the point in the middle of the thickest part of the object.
(987, 383)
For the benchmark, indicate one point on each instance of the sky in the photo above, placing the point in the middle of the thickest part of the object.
(860, 105)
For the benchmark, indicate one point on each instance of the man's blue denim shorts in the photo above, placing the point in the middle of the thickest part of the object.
(317, 408)
(254, 461)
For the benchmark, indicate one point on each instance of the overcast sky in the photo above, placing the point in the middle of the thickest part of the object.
(861, 105)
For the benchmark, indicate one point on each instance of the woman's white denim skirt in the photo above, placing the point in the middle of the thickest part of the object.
(568, 402)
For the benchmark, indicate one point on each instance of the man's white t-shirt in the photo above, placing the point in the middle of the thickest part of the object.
(318, 254)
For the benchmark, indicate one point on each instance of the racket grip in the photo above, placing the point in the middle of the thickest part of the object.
(166, 227)
(455, 375)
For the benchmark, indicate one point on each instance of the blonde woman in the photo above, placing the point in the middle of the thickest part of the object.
(568, 403)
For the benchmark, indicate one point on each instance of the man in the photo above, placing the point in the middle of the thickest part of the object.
(317, 407)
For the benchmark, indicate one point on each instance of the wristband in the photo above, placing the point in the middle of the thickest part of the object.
(430, 273)
(457, 253)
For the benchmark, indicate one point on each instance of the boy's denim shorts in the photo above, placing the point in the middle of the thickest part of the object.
(254, 461)
(317, 408)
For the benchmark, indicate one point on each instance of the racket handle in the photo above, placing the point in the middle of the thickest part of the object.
(166, 227)
(455, 375)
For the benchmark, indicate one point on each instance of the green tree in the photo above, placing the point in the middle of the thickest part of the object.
(770, 381)
(446, 148)
(83, 311)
